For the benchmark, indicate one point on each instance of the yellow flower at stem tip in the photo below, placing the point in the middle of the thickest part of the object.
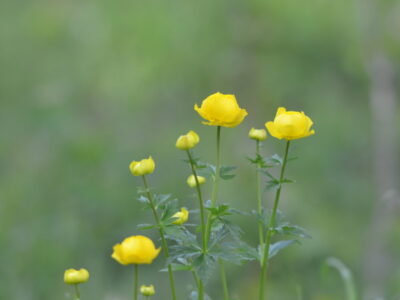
(136, 249)
(143, 167)
(147, 290)
(181, 216)
(290, 125)
(221, 110)
(258, 134)
(72, 276)
(187, 141)
(191, 181)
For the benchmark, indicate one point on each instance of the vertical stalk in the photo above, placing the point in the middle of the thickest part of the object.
(77, 293)
(214, 196)
(163, 240)
(271, 225)
(135, 281)
(259, 199)
(203, 226)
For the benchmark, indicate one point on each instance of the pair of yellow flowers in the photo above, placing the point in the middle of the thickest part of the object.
(223, 110)
(219, 110)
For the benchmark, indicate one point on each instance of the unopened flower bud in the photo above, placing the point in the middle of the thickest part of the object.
(187, 141)
(147, 290)
(258, 134)
(191, 181)
(72, 276)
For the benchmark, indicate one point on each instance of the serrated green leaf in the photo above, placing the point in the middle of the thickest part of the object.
(274, 160)
(204, 266)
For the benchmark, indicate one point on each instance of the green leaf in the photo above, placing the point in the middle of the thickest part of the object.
(225, 172)
(292, 230)
(274, 160)
(204, 266)
(273, 184)
(278, 246)
(146, 226)
(177, 267)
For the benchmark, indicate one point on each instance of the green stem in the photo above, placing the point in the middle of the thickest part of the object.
(271, 225)
(201, 204)
(223, 279)
(214, 196)
(163, 240)
(259, 199)
(135, 282)
(203, 226)
(77, 293)
(214, 193)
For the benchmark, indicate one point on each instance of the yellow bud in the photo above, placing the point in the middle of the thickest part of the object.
(191, 181)
(181, 216)
(136, 249)
(143, 167)
(147, 290)
(290, 125)
(258, 134)
(221, 110)
(187, 141)
(72, 276)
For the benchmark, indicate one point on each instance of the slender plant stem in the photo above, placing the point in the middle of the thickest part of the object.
(259, 199)
(162, 235)
(214, 196)
(203, 226)
(135, 281)
(271, 225)
(77, 293)
(201, 204)
(223, 279)
(214, 193)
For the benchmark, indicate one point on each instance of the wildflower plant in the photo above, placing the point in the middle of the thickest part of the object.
(216, 240)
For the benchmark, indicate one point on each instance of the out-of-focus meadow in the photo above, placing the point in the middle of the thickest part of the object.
(88, 86)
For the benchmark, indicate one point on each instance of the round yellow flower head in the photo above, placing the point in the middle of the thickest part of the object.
(143, 167)
(221, 110)
(258, 134)
(187, 141)
(136, 249)
(191, 181)
(147, 290)
(72, 276)
(181, 216)
(290, 125)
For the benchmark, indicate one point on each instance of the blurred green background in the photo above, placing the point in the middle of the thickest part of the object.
(88, 86)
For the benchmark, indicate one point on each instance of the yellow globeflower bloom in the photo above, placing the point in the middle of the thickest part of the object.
(191, 181)
(187, 141)
(290, 125)
(72, 276)
(221, 110)
(181, 216)
(143, 167)
(136, 249)
(258, 134)
(147, 290)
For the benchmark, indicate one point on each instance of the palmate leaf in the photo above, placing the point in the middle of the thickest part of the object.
(204, 266)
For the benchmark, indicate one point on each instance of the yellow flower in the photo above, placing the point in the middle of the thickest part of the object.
(258, 134)
(143, 167)
(72, 276)
(191, 181)
(147, 290)
(290, 125)
(136, 249)
(181, 216)
(187, 141)
(221, 110)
